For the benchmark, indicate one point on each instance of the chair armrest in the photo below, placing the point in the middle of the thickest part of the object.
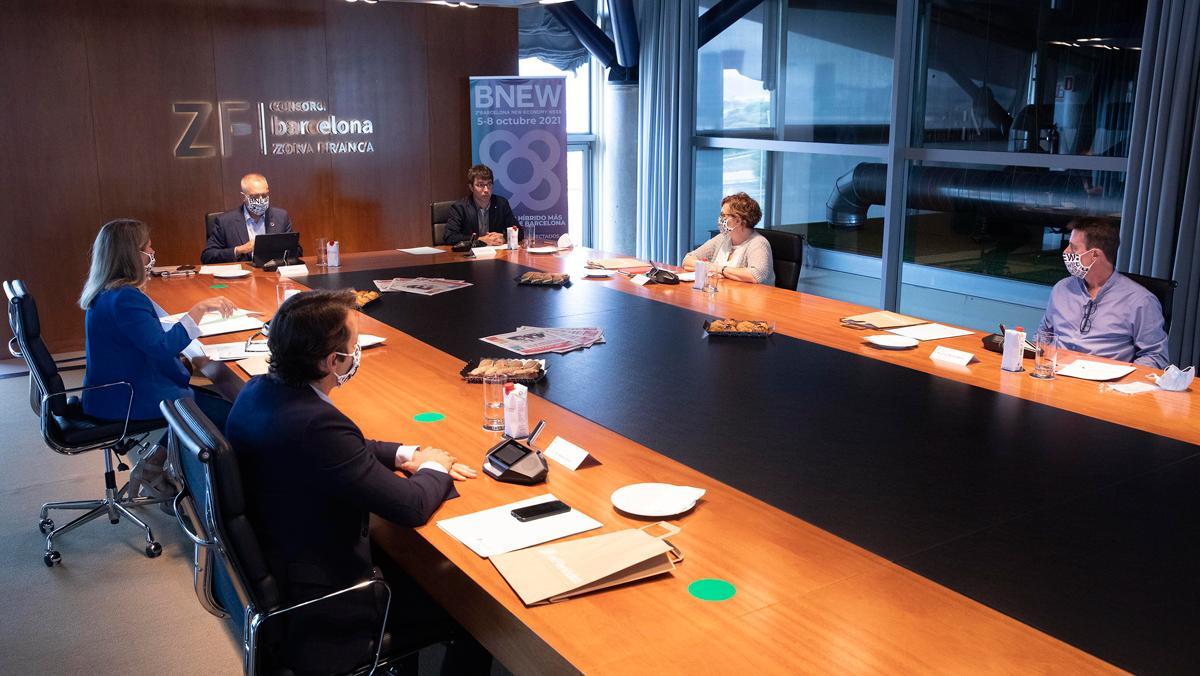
(253, 624)
(184, 525)
(45, 414)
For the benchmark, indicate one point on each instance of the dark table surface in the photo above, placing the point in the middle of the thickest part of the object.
(1081, 528)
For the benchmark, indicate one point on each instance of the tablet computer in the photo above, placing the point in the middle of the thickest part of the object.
(278, 247)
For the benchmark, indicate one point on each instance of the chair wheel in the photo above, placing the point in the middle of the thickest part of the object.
(46, 525)
(153, 550)
(52, 558)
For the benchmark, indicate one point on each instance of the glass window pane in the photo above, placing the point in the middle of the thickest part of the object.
(576, 194)
(579, 87)
(838, 86)
(987, 241)
(735, 78)
(1040, 76)
(841, 261)
(721, 172)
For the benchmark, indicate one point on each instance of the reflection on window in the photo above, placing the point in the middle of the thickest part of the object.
(810, 185)
(721, 172)
(1039, 76)
(735, 77)
(838, 86)
(579, 102)
(1001, 221)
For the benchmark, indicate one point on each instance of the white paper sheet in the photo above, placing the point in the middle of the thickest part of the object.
(1134, 388)
(210, 269)
(1095, 370)
(929, 332)
(229, 351)
(421, 250)
(213, 325)
(496, 531)
(687, 276)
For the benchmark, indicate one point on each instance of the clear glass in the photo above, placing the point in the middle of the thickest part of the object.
(322, 252)
(285, 289)
(1045, 359)
(493, 403)
(712, 281)
(1040, 76)
(579, 91)
(838, 81)
(734, 82)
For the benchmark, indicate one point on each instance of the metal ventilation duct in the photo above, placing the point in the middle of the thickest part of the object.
(1049, 197)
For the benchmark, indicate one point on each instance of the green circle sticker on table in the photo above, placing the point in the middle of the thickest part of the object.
(219, 286)
(712, 589)
(428, 416)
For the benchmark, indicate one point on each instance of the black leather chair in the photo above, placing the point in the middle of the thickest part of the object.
(439, 213)
(1163, 290)
(787, 250)
(211, 510)
(68, 430)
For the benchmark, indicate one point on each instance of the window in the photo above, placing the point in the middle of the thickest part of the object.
(721, 172)
(734, 83)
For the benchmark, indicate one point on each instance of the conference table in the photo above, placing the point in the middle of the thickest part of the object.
(875, 510)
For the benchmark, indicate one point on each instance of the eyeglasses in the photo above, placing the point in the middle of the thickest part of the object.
(253, 345)
(1085, 324)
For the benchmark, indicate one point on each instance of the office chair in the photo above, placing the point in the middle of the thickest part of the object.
(211, 510)
(787, 252)
(439, 213)
(68, 430)
(1163, 290)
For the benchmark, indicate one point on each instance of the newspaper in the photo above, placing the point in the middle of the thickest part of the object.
(531, 340)
(424, 286)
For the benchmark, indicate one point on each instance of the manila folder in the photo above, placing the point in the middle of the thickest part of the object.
(560, 570)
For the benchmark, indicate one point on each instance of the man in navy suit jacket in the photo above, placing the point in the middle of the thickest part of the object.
(311, 481)
(231, 236)
(480, 213)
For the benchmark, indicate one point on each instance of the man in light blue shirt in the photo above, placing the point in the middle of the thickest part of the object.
(1099, 311)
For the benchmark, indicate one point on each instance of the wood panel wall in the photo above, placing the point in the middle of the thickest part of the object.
(87, 131)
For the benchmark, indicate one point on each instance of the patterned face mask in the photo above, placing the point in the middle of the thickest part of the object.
(257, 206)
(1075, 265)
(150, 262)
(723, 225)
(356, 356)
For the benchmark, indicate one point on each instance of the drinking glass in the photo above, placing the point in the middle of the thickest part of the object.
(285, 289)
(1045, 358)
(322, 251)
(493, 403)
(711, 284)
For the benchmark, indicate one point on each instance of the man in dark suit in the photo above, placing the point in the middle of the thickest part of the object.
(231, 236)
(479, 213)
(312, 480)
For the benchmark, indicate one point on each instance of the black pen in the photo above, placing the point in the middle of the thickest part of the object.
(1002, 329)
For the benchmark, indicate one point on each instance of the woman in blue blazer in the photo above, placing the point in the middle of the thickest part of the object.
(125, 339)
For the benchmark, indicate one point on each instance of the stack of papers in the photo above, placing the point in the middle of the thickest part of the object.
(617, 263)
(213, 325)
(496, 531)
(422, 250)
(213, 269)
(881, 320)
(531, 340)
(929, 332)
(423, 286)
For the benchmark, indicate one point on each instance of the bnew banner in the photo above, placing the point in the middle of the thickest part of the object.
(519, 129)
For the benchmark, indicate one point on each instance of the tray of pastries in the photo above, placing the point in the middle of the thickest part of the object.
(544, 279)
(750, 328)
(523, 371)
(364, 298)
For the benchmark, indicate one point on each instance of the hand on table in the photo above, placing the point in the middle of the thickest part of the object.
(427, 454)
(492, 239)
(461, 472)
(219, 304)
(244, 249)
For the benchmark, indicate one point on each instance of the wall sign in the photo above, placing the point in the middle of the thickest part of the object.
(305, 127)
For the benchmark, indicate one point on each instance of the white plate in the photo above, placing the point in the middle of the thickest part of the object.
(656, 500)
(543, 249)
(231, 274)
(893, 342)
(598, 274)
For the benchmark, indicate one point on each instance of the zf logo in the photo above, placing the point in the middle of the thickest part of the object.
(234, 120)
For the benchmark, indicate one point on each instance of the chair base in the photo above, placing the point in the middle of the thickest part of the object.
(115, 504)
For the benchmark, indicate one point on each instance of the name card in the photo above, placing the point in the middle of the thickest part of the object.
(640, 280)
(484, 252)
(292, 270)
(565, 453)
(951, 356)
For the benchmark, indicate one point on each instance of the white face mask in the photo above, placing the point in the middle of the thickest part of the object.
(150, 262)
(355, 358)
(1075, 265)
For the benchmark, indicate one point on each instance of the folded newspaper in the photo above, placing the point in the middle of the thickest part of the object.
(424, 286)
(531, 340)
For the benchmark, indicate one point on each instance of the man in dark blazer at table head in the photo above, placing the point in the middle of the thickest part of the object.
(311, 481)
(231, 236)
(480, 213)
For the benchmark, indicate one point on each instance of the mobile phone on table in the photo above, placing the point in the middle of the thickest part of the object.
(540, 510)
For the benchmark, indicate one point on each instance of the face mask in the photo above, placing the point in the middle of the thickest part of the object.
(1075, 265)
(149, 263)
(257, 206)
(724, 226)
(1176, 379)
(356, 356)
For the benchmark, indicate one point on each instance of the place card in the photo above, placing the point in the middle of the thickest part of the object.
(484, 252)
(640, 280)
(565, 453)
(292, 270)
(951, 356)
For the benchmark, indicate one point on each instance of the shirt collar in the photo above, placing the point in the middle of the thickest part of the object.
(1103, 287)
(324, 397)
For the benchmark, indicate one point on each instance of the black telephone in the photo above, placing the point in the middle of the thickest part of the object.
(466, 244)
(660, 276)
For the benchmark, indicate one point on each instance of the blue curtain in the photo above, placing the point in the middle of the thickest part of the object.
(666, 123)
(540, 35)
(1161, 214)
